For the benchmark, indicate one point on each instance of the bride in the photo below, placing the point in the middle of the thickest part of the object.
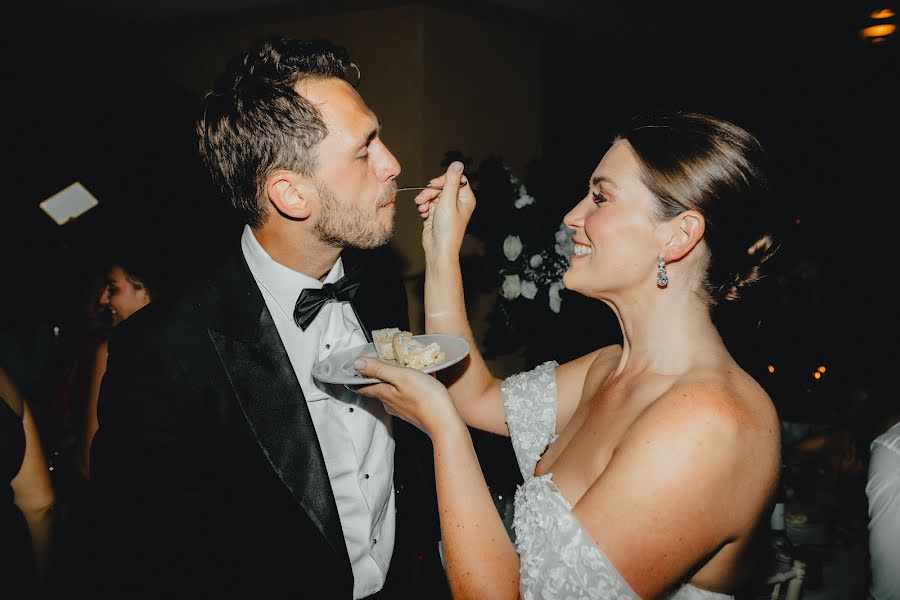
(647, 466)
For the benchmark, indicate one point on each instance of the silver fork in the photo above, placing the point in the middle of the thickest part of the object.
(428, 187)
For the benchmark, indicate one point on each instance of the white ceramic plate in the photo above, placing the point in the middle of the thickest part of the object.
(338, 368)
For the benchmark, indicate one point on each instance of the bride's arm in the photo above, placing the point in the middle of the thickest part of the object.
(474, 390)
(481, 561)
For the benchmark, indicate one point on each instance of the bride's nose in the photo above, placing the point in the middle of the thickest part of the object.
(575, 217)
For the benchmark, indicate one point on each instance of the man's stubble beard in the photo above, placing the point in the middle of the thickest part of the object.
(348, 226)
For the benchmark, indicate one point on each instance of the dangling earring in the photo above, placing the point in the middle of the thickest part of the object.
(662, 278)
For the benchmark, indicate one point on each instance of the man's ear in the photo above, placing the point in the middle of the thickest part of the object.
(684, 232)
(288, 194)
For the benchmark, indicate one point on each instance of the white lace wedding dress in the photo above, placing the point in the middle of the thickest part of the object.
(559, 558)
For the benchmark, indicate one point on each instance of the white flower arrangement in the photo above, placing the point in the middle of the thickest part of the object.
(512, 247)
(524, 199)
(526, 274)
(527, 253)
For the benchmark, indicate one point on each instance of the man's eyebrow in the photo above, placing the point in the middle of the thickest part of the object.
(372, 135)
(600, 179)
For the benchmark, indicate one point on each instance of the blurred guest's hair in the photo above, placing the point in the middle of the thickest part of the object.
(254, 122)
(146, 264)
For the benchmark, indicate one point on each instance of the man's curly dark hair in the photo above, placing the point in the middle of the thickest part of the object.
(254, 122)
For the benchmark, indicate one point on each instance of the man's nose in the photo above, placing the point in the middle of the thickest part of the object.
(104, 297)
(388, 167)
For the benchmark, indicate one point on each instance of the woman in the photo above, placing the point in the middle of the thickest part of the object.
(648, 466)
(26, 505)
(127, 291)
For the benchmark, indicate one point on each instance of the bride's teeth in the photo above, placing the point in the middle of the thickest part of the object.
(582, 250)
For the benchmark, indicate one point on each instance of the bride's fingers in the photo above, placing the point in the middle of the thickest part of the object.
(379, 391)
(371, 367)
(452, 180)
(439, 181)
(426, 196)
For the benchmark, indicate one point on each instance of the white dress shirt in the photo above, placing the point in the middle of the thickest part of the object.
(883, 492)
(354, 431)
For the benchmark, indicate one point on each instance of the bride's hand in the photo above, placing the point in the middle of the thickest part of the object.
(413, 396)
(446, 213)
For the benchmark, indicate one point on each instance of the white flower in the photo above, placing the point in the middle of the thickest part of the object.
(529, 289)
(512, 287)
(555, 299)
(536, 261)
(524, 199)
(564, 244)
(512, 247)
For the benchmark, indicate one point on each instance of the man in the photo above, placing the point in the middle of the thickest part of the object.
(221, 467)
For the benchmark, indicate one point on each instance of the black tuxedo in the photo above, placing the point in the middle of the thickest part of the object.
(208, 478)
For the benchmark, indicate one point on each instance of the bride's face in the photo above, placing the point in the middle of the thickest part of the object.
(615, 237)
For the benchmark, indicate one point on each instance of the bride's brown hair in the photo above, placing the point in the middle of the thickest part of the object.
(697, 162)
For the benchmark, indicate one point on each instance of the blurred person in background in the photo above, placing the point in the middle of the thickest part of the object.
(130, 286)
(883, 495)
(63, 406)
(26, 501)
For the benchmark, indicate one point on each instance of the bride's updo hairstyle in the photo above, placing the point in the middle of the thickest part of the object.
(697, 162)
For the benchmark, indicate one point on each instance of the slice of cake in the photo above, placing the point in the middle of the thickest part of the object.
(384, 345)
(402, 343)
(393, 344)
(422, 356)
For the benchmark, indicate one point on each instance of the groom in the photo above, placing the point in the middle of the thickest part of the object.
(221, 467)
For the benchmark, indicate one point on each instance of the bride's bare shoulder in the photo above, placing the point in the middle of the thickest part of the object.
(728, 384)
(724, 401)
(580, 377)
(598, 363)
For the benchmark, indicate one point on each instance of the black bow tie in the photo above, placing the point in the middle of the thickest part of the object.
(311, 301)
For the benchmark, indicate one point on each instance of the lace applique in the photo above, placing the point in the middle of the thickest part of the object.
(558, 558)
(530, 403)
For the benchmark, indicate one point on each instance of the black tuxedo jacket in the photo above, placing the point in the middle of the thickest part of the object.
(208, 480)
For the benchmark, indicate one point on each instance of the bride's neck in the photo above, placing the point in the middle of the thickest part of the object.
(664, 332)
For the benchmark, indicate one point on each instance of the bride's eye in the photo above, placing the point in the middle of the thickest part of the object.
(598, 199)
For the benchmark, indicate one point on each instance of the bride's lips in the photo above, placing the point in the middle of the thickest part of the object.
(588, 250)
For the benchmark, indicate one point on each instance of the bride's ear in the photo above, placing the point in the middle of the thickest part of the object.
(288, 195)
(684, 232)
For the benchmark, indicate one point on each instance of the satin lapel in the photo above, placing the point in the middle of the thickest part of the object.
(272, 401)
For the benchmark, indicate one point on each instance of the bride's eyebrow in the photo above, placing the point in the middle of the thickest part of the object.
(600, 180)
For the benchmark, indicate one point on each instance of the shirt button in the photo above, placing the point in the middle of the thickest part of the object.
(351, 409)
(374, 541)
(366, 475)
(328, 346)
